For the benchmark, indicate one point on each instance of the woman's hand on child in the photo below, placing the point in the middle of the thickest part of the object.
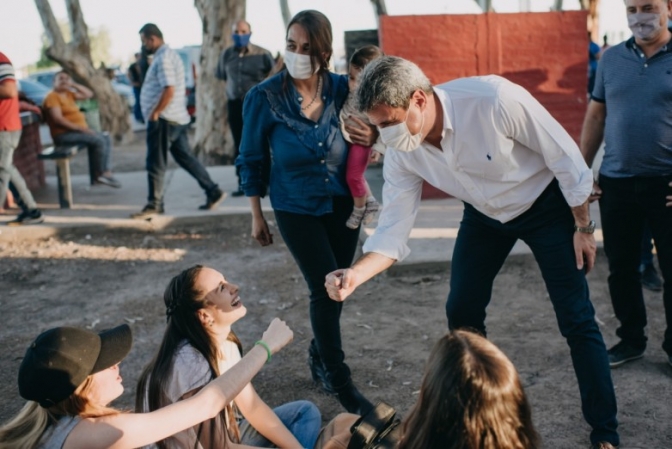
(374, 157)
(277, 335)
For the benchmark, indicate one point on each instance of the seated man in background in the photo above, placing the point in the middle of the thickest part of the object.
(67, 125)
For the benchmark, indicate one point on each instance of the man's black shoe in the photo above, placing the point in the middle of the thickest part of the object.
(215, 197)
(318, 371)
(352, 400)
(237, 193)
(148, 211)
(650, 279)
(624, 352)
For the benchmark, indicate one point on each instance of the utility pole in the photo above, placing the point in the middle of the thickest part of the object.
(486, 5)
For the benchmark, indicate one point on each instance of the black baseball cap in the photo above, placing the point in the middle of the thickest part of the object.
(60, 360)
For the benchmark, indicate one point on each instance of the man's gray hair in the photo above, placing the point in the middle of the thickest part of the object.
(389, 81)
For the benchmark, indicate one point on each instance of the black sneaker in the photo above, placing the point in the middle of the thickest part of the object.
(27, 218)
(624, 352)
(148, 211)
(650, 279)
(237, 193)
(317, 370)
(216, 197)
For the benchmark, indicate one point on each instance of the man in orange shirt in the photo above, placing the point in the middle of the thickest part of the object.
(10, 133)
(68, 126)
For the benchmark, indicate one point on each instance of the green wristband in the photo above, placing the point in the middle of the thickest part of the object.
(268, 350)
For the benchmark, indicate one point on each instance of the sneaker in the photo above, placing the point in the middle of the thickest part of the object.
(650, 279)
(356, 217)
(372, 208)
(108, 181)
(216, 197)
(148, 211)
(237, 193)
(317, 370)
(603, 445)
(624, 352)
(27, 218)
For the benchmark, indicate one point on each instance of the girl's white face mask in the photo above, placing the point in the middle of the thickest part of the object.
(298, 65)
(399, 136)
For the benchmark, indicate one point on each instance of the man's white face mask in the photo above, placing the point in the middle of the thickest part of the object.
(399, 136)
(645, 26)
(298, 66)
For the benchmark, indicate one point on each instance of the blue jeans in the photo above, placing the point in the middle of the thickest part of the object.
(302, 419)
(164, 136)
(137, 111)
(481, 247)
(320, 245)
(9, 174)
(626, 206)
(99, 148)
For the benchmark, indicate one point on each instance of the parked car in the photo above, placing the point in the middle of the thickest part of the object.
(46, 78)
(33, 90)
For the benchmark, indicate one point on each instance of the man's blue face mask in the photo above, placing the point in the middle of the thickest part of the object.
(241, 40)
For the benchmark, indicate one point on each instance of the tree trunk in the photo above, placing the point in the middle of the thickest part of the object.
(212, 128)
(286, 14)
(557, 5)
(75, 58)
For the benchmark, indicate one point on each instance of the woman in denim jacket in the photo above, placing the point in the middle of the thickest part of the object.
(292, 145)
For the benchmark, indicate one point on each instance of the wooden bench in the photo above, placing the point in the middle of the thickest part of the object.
(62, 155)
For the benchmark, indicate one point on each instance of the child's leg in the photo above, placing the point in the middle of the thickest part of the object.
(358, 158)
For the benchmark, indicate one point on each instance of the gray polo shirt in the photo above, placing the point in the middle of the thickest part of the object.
(637, 93)
(243, 71)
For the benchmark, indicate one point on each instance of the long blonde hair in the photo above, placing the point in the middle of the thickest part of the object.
(25, 429)
(471, 398)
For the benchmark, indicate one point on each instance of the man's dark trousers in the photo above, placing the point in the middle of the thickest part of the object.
(481, 247)
(626, 205)
(164, 136)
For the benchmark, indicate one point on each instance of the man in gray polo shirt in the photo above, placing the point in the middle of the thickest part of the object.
(630, 107)
(242, 66)
(164, 108)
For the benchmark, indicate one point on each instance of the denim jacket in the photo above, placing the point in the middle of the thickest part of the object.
(308, 159)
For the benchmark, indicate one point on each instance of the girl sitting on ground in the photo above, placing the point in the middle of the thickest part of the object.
(199, 345)
(471, 398)
(366, 206)
(70, 376)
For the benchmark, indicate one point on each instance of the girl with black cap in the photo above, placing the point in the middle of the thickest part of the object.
(70, 375)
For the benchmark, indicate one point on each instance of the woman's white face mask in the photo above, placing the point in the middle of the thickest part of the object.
(399, 136)
(298, 65)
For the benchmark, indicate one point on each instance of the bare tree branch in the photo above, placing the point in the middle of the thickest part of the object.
(51, 28)
(80, 32)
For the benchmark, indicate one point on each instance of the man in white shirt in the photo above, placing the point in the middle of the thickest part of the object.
(489, 143)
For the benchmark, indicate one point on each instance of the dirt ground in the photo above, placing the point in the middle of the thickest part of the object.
(389, 325)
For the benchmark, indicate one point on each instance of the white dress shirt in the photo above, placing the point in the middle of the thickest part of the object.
(501, 149)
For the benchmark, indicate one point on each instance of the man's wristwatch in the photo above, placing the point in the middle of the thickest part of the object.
(586, 229)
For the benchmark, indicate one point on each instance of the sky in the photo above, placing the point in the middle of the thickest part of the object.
(20, 37)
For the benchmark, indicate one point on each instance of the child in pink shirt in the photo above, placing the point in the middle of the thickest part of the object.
(366, 205)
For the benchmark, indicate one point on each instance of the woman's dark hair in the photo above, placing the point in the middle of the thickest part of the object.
(362, 56)
(471, 398)
(183, 300)
(320, 38)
